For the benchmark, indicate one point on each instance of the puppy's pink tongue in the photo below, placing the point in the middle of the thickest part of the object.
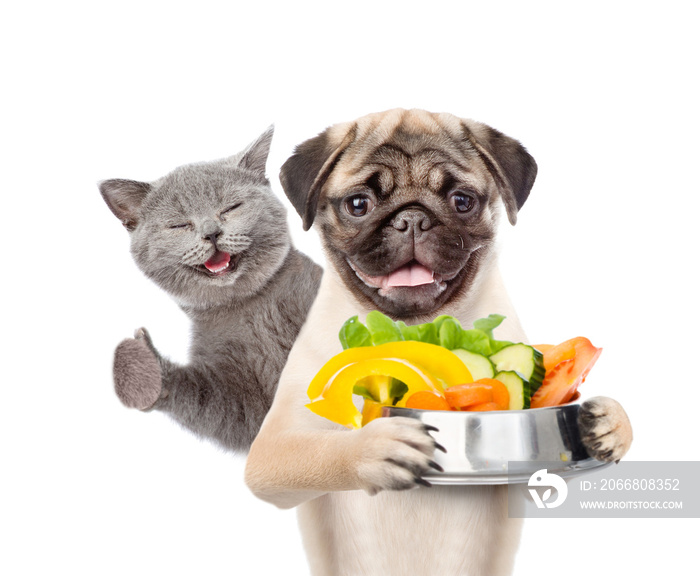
(218, 262)
(412, 274)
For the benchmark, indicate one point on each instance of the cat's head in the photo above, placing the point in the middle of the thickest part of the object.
(207, 233)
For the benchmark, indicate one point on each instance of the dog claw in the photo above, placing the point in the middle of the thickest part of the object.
(436, 466)
(440, 447)
(423, 482)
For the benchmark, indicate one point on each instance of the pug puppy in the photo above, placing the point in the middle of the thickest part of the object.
(407, 205)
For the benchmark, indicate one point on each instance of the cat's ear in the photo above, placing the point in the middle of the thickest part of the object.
(124, 198)
(254, 157)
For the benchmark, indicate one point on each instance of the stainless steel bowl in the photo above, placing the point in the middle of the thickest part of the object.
(506, 446)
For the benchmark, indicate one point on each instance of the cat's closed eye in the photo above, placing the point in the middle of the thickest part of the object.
(230, 208)
(182, 225)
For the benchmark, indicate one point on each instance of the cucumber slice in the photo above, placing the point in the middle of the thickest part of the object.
(518, 388)
(479, 366)
(524, 360)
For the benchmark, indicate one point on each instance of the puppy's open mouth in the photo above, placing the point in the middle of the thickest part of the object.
(410, 275)
(219, 264)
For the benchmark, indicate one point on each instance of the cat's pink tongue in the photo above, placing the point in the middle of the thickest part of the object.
(412, 274)
(218, 262)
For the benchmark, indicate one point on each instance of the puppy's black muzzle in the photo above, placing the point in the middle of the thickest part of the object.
(412, 221)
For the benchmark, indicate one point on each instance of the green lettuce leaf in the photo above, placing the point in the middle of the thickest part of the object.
(382, 329)
(354, 334)
(440, 319)
(420, 332)
(444, 331)
(476, 341)
(428, 333)
(450, 333)
(488, 324)
(497, 345)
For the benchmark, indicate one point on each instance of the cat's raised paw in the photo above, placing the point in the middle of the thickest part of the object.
(137, 373)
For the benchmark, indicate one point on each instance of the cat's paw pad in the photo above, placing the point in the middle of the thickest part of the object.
(137, 374)
(394, 454)
(605, 429)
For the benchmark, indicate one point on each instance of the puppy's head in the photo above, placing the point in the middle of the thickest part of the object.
(406, 202)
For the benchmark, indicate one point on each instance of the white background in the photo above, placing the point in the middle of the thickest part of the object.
(603, 94)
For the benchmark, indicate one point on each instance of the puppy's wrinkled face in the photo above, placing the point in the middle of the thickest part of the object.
(406, 203)
(406, 222)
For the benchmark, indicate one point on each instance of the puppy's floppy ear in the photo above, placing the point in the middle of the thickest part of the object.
(306, 171)
(508, 161)
(124, 198)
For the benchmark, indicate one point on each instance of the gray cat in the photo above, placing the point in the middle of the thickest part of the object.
(214, 236)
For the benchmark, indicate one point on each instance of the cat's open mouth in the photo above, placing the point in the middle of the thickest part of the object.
(219, 264)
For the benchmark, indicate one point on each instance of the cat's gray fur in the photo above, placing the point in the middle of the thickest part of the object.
(244, 320)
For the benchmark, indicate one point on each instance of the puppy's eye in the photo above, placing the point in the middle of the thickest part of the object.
(463, 202)
(359, 205)
(231, 208)
(181, 226)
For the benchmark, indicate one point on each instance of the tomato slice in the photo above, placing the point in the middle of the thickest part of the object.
(559, 353)
(576, 358)
(543, 347)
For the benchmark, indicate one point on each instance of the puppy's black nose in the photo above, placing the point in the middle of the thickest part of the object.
(412, 221)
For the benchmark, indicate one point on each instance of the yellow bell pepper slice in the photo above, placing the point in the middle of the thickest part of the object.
(379, 387)
(435, 360)
(336, 402)
(371, 410)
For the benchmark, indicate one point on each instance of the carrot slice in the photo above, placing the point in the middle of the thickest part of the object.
(501, 396)
(464, 395)
(484, 407)
(426, 400)
(483, 390)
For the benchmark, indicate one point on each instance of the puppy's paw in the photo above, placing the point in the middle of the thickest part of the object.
(605, 429)
(394, 454)
(137, 373)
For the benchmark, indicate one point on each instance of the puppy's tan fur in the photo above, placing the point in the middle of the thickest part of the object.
(330, 473)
